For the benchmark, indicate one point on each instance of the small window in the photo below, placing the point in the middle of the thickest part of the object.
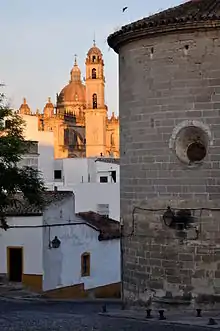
(85, 265)
(94, 101)
(42, 124)
(93, 58)
(113, 174)
(57, 174)
(103, 179)
(93, 73)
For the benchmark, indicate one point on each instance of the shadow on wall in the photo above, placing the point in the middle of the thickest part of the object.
(46, 162)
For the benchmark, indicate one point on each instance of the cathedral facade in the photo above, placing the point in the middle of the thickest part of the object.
(79, 118)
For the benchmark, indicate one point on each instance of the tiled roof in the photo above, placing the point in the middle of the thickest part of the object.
(108, 228)
(192, 14)
(108, 160)
(21, 207)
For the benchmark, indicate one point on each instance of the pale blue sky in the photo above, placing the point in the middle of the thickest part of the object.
(38, 41)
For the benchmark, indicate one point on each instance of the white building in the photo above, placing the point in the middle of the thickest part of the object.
(94, 181)
(43, 156)
(59, 252)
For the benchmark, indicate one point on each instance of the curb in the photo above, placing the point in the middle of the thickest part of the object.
(166, 322)
(74, 301)
(92, 301)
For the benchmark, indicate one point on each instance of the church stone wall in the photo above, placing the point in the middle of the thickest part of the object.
(169, 98)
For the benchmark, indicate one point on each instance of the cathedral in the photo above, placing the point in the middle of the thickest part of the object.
(79, 118)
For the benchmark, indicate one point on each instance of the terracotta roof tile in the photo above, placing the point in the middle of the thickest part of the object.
(21, 207)
(197, 12)
(108, 228)
(108, 160)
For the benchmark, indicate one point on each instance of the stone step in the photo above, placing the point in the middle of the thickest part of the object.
(16, 290)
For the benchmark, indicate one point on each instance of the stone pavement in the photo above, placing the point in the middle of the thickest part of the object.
(185, 318)
(18, 297)
(43, 316)
(13, 290)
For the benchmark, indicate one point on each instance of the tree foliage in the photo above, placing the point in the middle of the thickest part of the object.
(14, 178)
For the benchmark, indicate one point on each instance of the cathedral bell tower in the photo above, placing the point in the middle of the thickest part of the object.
(96, 111)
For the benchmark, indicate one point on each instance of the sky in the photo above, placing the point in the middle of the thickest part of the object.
(38, 41)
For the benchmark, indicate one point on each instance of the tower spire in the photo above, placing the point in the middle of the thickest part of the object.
(75, 74)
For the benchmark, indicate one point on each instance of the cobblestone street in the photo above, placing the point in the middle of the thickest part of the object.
(43, 316)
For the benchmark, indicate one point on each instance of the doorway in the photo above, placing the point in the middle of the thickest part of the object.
(15, 264)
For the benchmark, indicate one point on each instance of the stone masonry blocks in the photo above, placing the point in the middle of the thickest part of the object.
(156, 95)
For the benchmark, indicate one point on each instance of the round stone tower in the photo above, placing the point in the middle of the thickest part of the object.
(169, 96)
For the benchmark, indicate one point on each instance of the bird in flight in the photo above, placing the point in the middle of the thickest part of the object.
(125, 8)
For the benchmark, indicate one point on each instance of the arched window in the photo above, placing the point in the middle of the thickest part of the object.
(112, 139)
(93, 58)
(93, 73)
(85, 264)
(66, 136)
(94, 101)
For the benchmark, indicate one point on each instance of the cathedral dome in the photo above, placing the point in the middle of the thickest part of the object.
(75, 91)
(94, 50)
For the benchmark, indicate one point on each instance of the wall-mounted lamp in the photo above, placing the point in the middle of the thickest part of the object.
(56, 242)
(168, 217)
(179, 220)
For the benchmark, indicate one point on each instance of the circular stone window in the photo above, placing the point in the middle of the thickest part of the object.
(191, 144)
(196, 152)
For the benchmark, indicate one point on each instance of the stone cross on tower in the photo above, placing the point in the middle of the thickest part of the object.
(75, 61)
(94, 43)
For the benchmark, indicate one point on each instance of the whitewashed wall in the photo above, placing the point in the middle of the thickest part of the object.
(89, 194)
(104, 169)
(84, 170)
(61, 212)
(65, 262)
(62, 267)
(75, 170)
(30, 239)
